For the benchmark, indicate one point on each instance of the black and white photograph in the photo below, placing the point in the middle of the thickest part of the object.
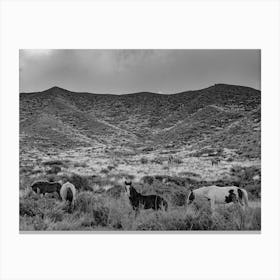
(139, 140)
(133, 140)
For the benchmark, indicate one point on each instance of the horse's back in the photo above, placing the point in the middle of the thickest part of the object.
(217, 192)
(151, 202)
(227, 194)
(46, 187)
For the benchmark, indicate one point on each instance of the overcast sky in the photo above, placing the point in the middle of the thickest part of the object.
(128, 71)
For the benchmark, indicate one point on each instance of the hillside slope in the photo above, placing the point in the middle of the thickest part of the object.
(62, 119)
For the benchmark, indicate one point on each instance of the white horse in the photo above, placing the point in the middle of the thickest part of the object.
(220, 195)
(68, 193)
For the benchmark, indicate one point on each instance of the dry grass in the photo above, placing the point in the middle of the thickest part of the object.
(164, 143)
(100, 202)
(101, 211)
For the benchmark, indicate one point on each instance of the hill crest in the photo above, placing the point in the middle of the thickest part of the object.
(136, 118)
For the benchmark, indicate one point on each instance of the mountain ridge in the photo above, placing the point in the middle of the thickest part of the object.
(189, 117)
(140, 92)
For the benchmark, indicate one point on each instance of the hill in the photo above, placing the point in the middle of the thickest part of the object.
(220, 115)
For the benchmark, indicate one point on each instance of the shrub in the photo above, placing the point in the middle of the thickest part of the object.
(253, 219)
(191, 218)
(147, 180)
(69, 222)
(245, 173)
(115, 191)
(101, 214)
(56, 214)
(144, 160)
(121, 215)
(157, 160)
(179, 198)
(52, 178)
(54, 169)
(36, 171)
(86, 202)
(35, 223)
(200, 221)
(24, 193)
(104, 171)
(54, 162)
(254, 190)
(29, 207)
(147, 222)
(176, 219)
(110, 167)
(26, 169)
(179, 181)
(80, 164)
(245, 176)
(177, 161)
(87, 221)
(80, 182)
(148, 149)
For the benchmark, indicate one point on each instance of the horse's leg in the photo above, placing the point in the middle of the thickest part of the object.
(156, 204)
(241, 204)
(136, 212)
(212, 203)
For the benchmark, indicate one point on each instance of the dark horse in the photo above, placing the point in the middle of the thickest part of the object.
(146, 201)
(215, 161)
(43, 187)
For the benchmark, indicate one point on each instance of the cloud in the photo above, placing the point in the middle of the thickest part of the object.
(124, 71)
(36, 52)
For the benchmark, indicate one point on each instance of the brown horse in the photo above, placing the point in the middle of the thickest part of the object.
(146, 201)
(215, 161)
(43, 187)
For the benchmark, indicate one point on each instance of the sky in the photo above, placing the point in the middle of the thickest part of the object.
(129, 71)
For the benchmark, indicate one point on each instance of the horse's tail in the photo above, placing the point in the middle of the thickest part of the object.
(69, 195)
(245, 196)
(69, 199)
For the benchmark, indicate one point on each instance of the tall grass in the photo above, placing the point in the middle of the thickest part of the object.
(102, 212)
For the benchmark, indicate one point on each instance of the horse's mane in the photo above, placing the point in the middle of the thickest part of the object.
(133, 192)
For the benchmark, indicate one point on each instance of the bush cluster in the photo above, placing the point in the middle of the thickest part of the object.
(102, 212)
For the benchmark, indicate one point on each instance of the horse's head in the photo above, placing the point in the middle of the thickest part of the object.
(127, 185)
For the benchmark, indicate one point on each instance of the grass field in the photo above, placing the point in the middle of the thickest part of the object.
(101, 203)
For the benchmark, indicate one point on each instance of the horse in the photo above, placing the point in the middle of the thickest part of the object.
(220, 195)
(146, 201)
(43, 187)
(170, 159)
(215, 161)
(68, 193)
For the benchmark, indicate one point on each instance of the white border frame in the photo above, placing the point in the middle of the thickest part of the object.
(156, 24)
